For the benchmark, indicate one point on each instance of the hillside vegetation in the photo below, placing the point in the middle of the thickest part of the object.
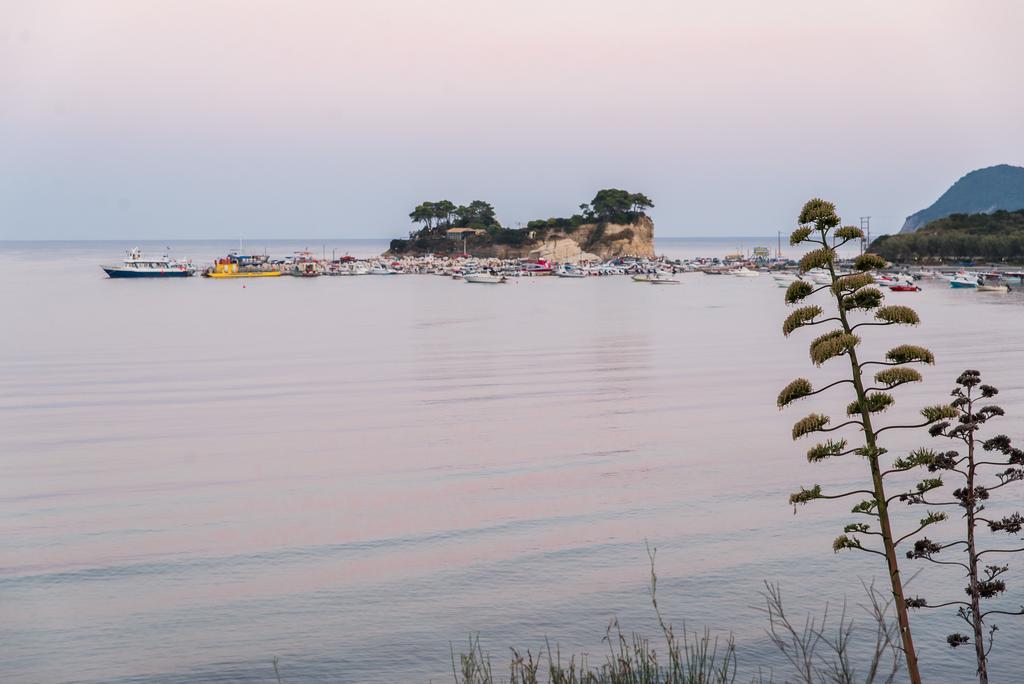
(998, 236)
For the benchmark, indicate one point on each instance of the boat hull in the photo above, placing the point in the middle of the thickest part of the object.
(484, 279)
(136, 273)
(255, 274)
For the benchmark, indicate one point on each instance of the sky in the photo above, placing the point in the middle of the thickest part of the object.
(164, 119)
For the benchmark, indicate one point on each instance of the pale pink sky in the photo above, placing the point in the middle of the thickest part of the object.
(331, 119)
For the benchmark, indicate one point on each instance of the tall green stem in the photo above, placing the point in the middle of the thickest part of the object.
(883, 509)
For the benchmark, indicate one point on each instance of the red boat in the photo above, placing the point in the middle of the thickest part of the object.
(536, 267)
(903, 288)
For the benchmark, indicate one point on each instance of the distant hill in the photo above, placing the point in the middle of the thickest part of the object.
(980, 192)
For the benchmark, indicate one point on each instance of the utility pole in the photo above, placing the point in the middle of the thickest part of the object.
(865, 227)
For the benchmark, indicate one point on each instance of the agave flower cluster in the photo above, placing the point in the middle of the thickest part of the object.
(854, 303)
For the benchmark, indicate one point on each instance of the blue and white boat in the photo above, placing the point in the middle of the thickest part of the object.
(137, 266)
(963, 279)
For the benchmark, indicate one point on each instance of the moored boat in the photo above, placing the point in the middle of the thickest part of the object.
(744, 272)
(243, 266)
(484, 278)
(304, 265)
(662, 278)
(135, 265)
(535, 267)
(963, 280)
(818, 276)
(570, 271)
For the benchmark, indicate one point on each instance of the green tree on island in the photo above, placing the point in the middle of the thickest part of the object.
(619, 206)
(425, 213)
(851, 295)
(477, 214)
(444, 214)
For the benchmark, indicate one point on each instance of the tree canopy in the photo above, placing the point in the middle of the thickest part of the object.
(619, 206)
(444, 214)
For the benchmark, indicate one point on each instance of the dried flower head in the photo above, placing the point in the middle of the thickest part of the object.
(817, 258)
(902, 315)
(869, 262)
(797, 389)
(809, 424)
(798, 290)
(898, 375)
(909, 353)
(819, 212)
(831, 345)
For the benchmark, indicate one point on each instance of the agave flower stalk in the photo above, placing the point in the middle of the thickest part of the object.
(853, 295)
(970, 400)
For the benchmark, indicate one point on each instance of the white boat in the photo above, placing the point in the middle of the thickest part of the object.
(744, 272)
(487, 278)
(993, 288)
(926, 273)
(382, 270)
(819, 276)
(568, 271)
(785, 279)
(642, 277)
(895, 279)
(662, 278)
(135, 265)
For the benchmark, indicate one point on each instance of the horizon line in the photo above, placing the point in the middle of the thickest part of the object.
(334, 239)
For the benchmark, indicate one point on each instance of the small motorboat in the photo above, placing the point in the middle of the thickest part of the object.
(995, 287)
(926, 273)
(662, 278)
(904, 287)
(895, 280)
(962, 280)
(818, 276)
(568, 271)
(485, 278)
(744, 272)
(784, 279)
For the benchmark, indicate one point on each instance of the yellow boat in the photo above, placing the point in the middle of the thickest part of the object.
(243, 266)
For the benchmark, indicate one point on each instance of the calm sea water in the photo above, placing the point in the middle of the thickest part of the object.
(349, 474)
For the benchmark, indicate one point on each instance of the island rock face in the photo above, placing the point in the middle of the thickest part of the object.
(979, 192)
(586, 242)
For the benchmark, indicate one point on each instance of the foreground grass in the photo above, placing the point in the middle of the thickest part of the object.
(696, 658)
(815, 652)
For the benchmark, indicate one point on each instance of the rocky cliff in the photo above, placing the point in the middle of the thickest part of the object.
(589, 241)
(979, 192)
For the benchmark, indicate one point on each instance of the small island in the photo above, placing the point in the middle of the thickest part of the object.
(612, 224)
